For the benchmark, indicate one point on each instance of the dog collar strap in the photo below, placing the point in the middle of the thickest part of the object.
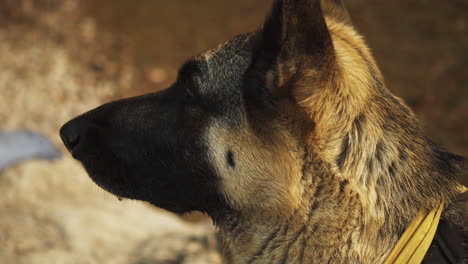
(415, 241)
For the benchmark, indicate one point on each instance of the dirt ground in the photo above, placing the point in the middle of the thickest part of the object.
(59, 58)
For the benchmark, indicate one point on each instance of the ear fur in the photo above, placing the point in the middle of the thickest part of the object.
(337, 10)
(294, 39)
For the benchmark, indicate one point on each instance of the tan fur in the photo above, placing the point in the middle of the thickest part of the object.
(295, 200)
(274, 169)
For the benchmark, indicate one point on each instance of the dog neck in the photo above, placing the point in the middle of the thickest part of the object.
(335, 221)
(327, 227)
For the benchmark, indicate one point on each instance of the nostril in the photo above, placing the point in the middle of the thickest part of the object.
(70, 136)
(72, 141)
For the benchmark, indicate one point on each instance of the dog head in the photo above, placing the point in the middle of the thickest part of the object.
(233, 130)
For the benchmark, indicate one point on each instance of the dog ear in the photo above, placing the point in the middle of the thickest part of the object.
(293, 42)
(337, 10)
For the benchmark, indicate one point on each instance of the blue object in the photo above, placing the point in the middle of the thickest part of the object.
(17, 146)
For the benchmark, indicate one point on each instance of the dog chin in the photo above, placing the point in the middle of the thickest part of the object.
(171, 207)
(104, 181)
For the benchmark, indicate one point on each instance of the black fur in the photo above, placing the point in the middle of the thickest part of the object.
(145, 147)
(151, 147)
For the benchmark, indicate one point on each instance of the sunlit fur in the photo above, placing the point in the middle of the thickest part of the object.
(339, 175)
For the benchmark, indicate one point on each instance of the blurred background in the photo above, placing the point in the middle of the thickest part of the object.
(59, 58)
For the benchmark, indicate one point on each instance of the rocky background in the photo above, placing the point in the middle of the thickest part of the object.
(59, 58)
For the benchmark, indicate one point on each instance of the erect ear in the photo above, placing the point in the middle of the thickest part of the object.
(293, 43)
(337, 10)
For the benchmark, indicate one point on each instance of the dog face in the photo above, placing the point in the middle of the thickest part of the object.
(231, 132)
(153, 147)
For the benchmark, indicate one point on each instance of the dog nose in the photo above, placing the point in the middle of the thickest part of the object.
(71, 133)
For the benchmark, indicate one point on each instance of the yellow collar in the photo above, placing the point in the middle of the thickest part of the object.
(415, 241)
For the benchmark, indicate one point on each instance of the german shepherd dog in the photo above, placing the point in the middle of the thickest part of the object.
(286, 137)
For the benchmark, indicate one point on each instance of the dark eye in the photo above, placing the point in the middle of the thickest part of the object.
(187, 73)
(190, 95)
(189, 92)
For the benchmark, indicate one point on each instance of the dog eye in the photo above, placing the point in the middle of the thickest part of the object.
(190, 92)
